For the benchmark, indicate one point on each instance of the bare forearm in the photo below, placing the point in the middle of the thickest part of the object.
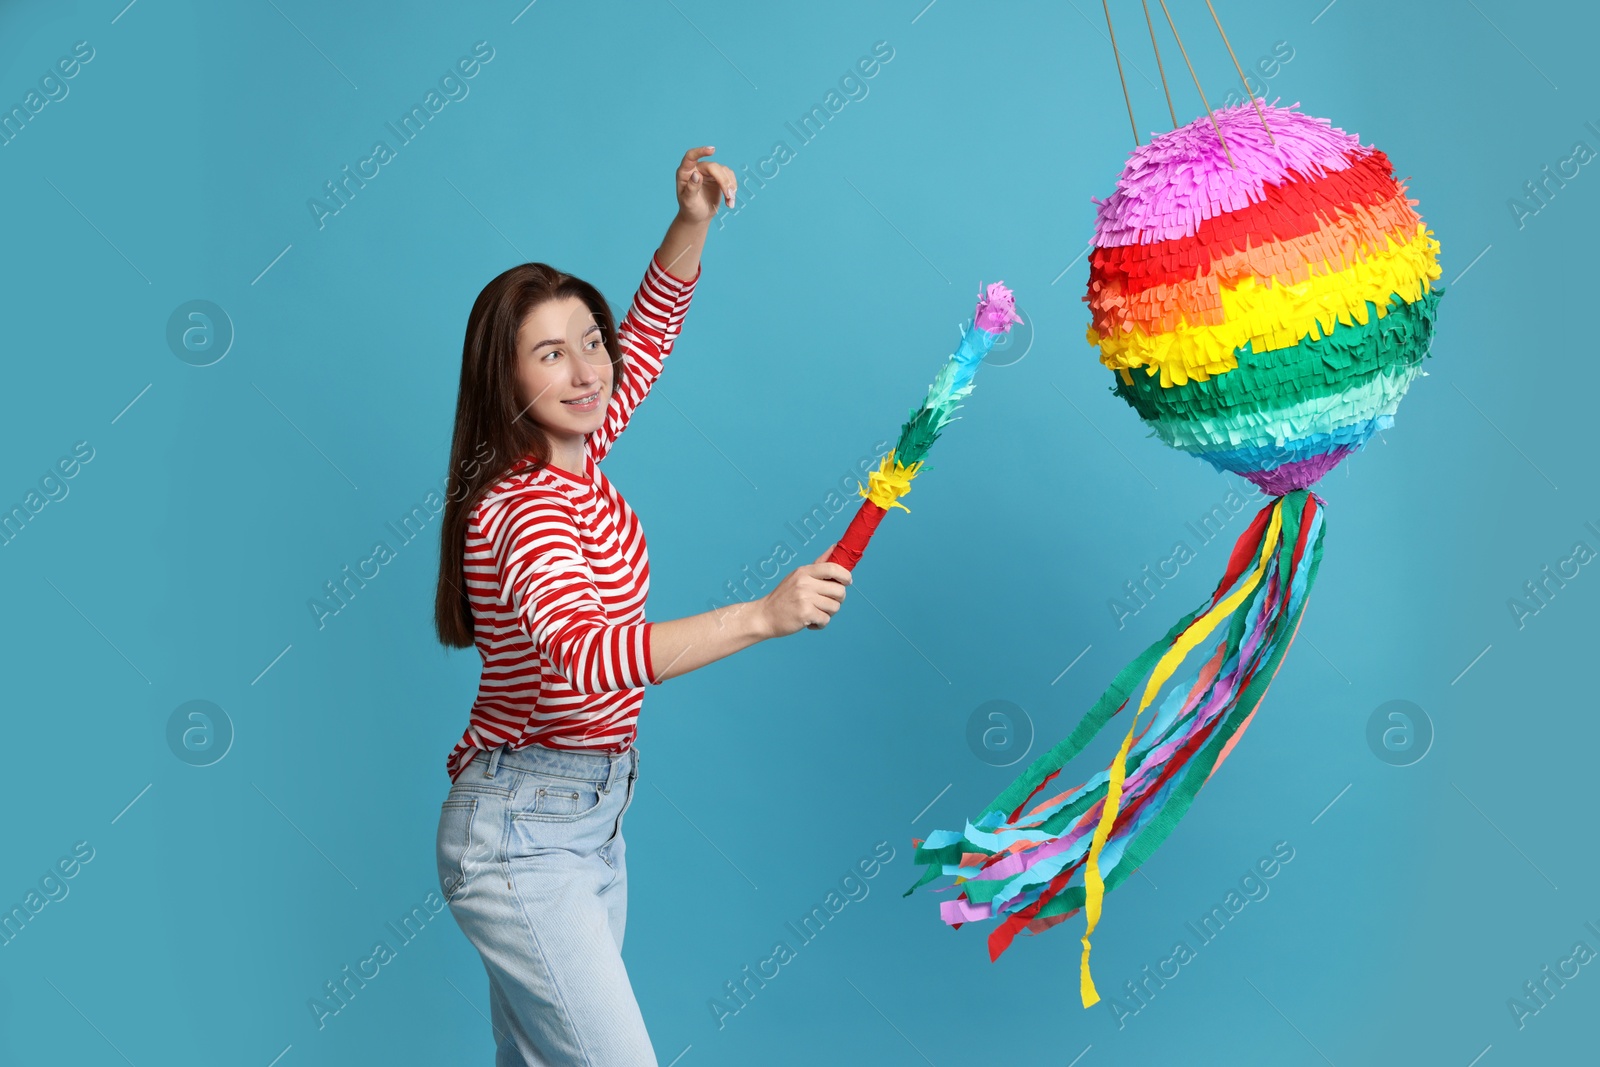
(678, 646)
(681, 247)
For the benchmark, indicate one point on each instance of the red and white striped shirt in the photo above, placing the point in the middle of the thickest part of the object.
(557, 574)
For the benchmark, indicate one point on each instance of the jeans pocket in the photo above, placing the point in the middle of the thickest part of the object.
(454, 850)
(551, 799)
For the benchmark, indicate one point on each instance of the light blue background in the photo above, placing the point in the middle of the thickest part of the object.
(180, 564)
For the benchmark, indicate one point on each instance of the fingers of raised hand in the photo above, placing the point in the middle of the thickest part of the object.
(724, 178)
(688, 165)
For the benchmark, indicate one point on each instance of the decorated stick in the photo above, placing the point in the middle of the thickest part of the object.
(995, 313)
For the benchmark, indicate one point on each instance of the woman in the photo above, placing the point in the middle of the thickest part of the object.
(543, 567)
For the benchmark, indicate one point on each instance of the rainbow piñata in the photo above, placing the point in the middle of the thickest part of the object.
(1266, 314)
(1267, 317)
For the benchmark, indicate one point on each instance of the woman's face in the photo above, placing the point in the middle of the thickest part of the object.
(563, 368)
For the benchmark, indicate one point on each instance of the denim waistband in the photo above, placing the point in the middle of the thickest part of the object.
(600, 767)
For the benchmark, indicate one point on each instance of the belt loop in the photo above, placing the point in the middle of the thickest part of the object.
(612, 760)
(494, 761)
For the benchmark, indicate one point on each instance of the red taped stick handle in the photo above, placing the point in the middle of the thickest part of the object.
(847, 553)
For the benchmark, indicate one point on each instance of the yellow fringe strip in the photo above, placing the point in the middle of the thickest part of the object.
(1093, 884)
(889, 482)
(1272, 316)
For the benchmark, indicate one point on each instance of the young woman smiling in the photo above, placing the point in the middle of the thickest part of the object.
(543, 567)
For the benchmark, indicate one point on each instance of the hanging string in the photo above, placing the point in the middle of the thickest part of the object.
(1159, 69)
(1118, 56)
(1196, 78)
(1242, 79)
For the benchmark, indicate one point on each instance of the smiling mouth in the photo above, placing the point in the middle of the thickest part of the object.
(584, 399)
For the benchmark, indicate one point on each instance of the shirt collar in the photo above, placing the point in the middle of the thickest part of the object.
(527, 466)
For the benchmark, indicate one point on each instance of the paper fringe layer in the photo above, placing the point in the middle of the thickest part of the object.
(1345, 359)
(1298, 207)
(1183, 177)
(1275, 427)
(1120, 303)
(1270, 412)
(1270, 316)
(891, 481)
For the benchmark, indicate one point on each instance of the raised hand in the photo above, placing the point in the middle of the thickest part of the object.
(702, 185)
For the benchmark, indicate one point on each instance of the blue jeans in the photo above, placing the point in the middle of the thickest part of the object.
(530, 857)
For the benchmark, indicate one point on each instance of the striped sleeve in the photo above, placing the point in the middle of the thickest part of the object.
(646, 335)
(542, 572)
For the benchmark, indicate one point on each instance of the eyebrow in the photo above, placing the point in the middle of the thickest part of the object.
(563, 340)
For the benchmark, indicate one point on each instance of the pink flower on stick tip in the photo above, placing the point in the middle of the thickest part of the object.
(997, 309)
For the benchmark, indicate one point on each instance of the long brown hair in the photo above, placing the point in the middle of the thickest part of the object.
(493, 432)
